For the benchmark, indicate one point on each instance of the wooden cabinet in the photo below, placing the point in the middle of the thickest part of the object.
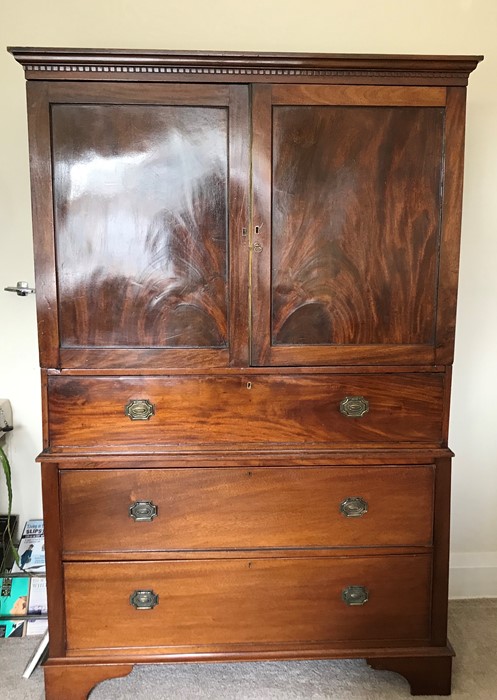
(246, 280)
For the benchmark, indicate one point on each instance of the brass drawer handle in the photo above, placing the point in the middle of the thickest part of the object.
(139, 409)
(143, 511)
(355, 595)
(144, 600)
(354, 507)
(354, 406)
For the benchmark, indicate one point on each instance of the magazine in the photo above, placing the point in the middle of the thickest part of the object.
(31, 548)
(37, 605)
(23, 596)
(32, 562)
(14, 593)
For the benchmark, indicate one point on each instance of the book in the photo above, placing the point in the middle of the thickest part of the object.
(14, 594)
(37, 605)
(34, 584)
(31, 548)
(23, 606)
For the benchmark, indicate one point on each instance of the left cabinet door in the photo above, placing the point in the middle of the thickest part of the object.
(139, 209)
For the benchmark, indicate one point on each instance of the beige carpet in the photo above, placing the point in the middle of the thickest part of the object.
(473, 632)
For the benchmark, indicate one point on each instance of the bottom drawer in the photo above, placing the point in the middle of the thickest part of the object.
(239, 602)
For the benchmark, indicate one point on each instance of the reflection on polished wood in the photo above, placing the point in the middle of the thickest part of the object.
(88, 412)
(141, 232)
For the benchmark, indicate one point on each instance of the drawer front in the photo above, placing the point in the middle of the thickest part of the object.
(303, 410)
(205, 604)
(147, 510)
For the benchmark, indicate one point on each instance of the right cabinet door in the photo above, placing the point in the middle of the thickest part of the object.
(356, 218)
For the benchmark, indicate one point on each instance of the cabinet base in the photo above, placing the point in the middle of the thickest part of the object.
(426, 675)
(76, 681)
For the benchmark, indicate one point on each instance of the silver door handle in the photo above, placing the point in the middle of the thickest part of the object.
(22, 289)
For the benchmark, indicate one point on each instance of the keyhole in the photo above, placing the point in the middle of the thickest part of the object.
(249, 385)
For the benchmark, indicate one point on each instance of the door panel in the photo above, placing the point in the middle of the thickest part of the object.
(141, 198)
(355, 224)
(347, 201)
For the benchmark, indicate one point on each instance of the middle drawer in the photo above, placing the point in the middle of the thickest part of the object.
(151, 510)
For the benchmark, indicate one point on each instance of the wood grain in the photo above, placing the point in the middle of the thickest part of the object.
(124, 65)
(260, 262)
(247, 554)
(341, 369)
(199, 212)
(353, 95)
(425, 675)
(53, 546)
(451, 223)
(76, 681)
(89, 411)
(238, 508)
(239, 205)
(179, 456)
(235, 602)
(120, 281)
(43, 224)
(310, 355)
(441, 541)
(355, 224)
(137, 93)
(138, 264)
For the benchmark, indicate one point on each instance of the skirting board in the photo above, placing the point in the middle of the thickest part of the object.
(473, 575)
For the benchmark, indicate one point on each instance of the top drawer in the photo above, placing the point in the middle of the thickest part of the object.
(300, 410)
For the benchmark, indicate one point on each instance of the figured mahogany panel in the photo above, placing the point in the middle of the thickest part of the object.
(141, 224)
(355, 224)
(240, 508)
(238, 602)
(89, 412)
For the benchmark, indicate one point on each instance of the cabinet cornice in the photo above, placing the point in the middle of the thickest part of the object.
(118, 64)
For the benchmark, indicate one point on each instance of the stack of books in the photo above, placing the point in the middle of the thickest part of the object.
(23, 591)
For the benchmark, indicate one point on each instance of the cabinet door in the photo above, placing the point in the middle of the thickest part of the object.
(139, 192)
(356, 219)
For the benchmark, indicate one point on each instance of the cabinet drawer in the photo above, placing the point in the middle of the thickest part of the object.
(238, 602)
(195, 509)
(89, 412)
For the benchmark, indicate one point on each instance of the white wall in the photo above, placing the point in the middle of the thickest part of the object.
(356, 26)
